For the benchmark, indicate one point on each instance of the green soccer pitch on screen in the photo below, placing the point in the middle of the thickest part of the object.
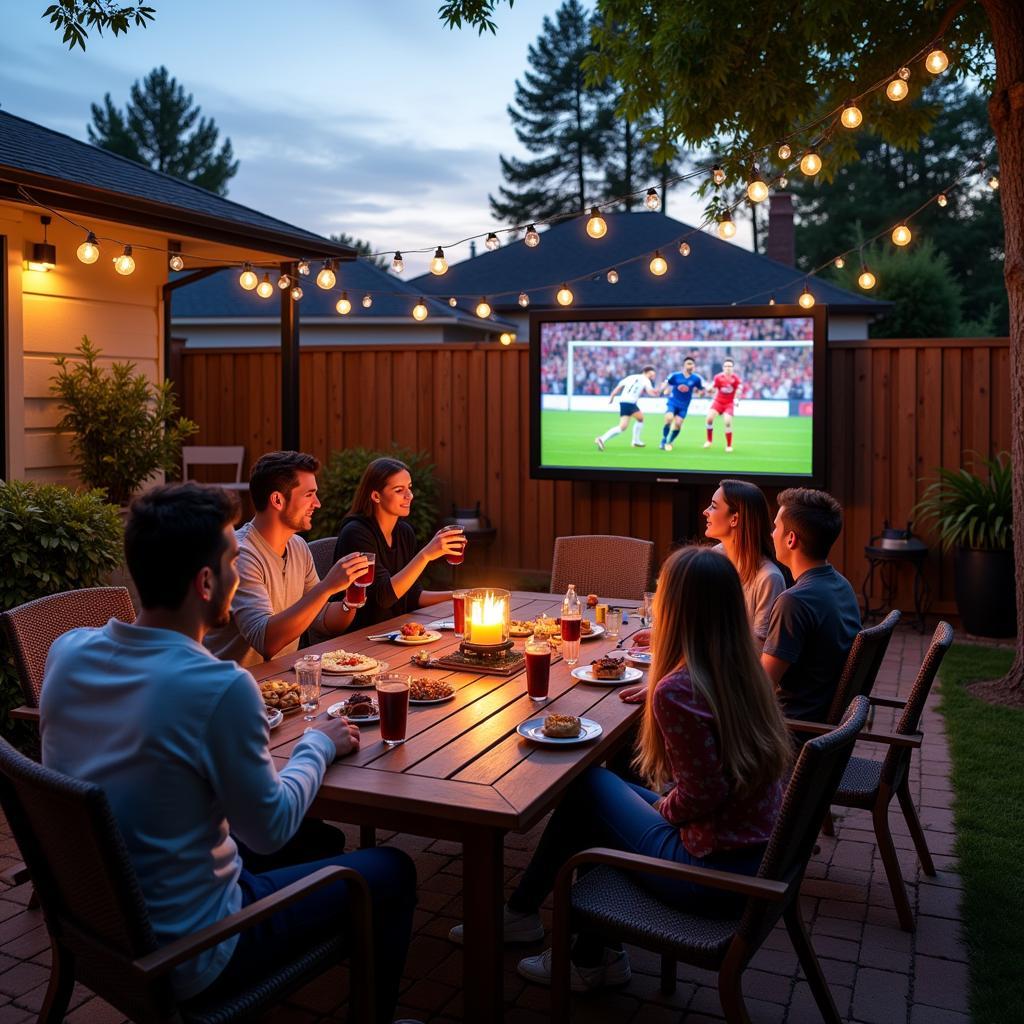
(679, 395)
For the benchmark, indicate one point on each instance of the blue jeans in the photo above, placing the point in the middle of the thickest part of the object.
(600, 809)
(391, 877)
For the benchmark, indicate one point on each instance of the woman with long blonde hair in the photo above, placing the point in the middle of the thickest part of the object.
(713, 748)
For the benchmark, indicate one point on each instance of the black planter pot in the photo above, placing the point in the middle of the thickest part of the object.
(986, 595)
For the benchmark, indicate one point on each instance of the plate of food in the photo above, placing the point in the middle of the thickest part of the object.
(639, 656)
(281, 695)
(543, 626)
(559, 730)
(274, 718)
(415, 633)
(430, 691)
(607, 671)
(359, 708)
(363, 681)
(347, 663)
(520, 628)
(591, 630)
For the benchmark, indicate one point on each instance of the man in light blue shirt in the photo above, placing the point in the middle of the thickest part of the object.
(178, 741)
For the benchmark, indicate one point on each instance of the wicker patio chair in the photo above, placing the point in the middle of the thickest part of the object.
(99, 927)
(32, 627)
(862, 664)
(871, 785)
(323, 554)
(607, 900)
(602, 564)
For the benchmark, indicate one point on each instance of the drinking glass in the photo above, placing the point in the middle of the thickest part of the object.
(613, 621)
(393, 701)
(371, 570)
(538, 667)
(355, 596)
(647, 611)
(571, 629)
(459, 612)
(460, 557)
(307, 672)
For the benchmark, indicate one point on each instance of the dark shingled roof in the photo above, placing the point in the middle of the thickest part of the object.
(716, 273)
(220, 296)
(43, 160)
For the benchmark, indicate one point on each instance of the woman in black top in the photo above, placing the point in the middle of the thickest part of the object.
(377, 522)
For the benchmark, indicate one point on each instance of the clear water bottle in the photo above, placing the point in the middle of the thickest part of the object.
(572, 618)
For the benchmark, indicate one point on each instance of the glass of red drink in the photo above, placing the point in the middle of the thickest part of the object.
(571, 629)
(371, 570)
(460, 557)
(538, 667)
(459, 612)
(393, 701)
(355, 596)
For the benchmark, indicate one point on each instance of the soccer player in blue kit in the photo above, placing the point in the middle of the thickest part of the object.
(680, 388)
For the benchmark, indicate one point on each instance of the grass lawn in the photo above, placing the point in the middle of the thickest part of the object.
(987, 747)
(761, 444)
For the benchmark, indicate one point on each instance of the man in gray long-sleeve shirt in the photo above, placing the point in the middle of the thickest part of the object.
(280, 595)
(178, 742)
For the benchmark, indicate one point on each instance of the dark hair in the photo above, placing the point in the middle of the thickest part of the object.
(172, 532)
(814, 516)
(278, 471)
(375, 478)
(648, 368)
(755, 528)
(728, 359)
(689, 359)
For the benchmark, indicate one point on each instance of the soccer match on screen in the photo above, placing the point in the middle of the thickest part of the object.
(717, 395)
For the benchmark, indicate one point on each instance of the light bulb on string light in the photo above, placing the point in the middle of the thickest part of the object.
(652, 200)
(897, 90)
(806, 299)
(397, 263)
(419, 311)
(89, 251)
(684, 249)
(284, 281)
(904, 73)
(524, 300)
(771, 300)
(783, 182)
(851, 117)
(810, 163)
(717, 175)
(658, 265)
(597, 226)
(483, 309)
(839, 263)
(866, 280)
(785, 151)
(303, 268)
(564, 296)
(125, 263)
(901, 235)
(936, 61)
(532, 238)
(491, 242)
(265, 288)
(726, 227)
(175, 261)
(296, 293)
(453, 302)
(993, 182)
(367, 301)
(757, 187)
(612, 277)
(326, 279)
(248, 279)
(343, 306)
(505, 338)
(438, 265)
(941, 199)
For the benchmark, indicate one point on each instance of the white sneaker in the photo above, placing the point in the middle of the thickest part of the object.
(707, 444)
(639, 444)
(516, 928)
(599, 442)
(613, 971)
(728, 447)
(668, 447)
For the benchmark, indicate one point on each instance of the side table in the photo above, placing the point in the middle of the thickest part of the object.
(887, 561)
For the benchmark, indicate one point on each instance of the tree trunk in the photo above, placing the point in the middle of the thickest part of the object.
(1006, 109)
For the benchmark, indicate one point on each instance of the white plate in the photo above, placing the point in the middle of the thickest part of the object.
(596, 630)
(448, 624)
(338, 711)
(414, 641)
(274, 717)
(345, 678)
(640, 658)
(436, 700)
(348, 672)
(533, 730)
(631, 675)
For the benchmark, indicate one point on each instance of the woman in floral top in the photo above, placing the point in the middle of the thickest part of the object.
(712, 745)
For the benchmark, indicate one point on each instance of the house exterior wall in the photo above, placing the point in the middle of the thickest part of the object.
(268, 335)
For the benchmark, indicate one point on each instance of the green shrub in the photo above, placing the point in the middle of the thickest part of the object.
(126, 428)
(337, 482)
(51, 539)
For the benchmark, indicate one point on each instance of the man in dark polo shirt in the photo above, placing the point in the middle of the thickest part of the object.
(813, 623)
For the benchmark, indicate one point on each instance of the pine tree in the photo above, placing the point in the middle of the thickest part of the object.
(162, 129)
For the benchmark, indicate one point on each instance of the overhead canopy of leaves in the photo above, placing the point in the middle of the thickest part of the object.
(475, 13)
(162, 128)
(77, 18)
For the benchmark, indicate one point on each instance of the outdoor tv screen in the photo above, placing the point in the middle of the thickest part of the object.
(679, 395)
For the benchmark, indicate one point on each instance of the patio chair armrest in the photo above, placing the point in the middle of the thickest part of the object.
(25, 712)
(745, 885)
(164, 959)
(16, 874)
(892, 739)
(888, 702)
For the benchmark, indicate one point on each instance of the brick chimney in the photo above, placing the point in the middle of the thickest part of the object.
(781, 244)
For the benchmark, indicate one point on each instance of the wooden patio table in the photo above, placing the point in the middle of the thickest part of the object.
(464, 774)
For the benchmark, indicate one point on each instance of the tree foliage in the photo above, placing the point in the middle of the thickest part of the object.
(162, 128)
(76, 18)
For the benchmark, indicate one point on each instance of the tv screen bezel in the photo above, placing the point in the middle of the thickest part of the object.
(819, 435)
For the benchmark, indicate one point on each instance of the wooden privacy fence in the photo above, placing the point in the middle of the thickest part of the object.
(896, 410)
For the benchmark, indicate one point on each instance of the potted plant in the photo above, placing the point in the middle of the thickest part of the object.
(974, 516)
(125, 427)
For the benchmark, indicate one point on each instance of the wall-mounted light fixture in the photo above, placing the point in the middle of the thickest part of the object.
(44, 255)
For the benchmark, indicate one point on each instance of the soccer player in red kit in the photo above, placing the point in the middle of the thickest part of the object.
(727, 391)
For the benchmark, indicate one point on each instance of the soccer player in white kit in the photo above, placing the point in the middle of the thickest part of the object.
(629, 391)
